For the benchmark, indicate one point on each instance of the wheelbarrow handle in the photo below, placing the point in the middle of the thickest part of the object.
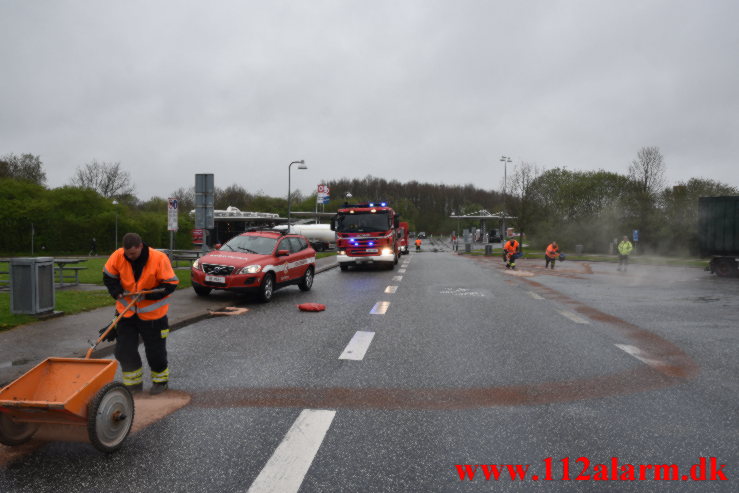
(137, 296)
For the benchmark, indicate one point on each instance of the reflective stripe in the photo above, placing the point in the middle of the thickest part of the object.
(160, 377)
(133, 377)
(152, 307)
(171, 279)
(109, 274)
(165, 333)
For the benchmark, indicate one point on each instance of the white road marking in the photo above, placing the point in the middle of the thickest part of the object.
(640, 355)
(397, 278)
(535, 296)
(380, 308)
(357, 347)
(575, 318)
(286, 469)
(402, 271)
(391, 289)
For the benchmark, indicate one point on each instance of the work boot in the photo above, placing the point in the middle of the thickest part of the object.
(158, 388)
(139, 387)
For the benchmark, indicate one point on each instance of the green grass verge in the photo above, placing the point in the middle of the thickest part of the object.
(67, 301)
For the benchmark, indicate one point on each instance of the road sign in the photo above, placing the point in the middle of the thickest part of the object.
(322, 194)
(172, 214)
(635, 236)
(204, 199)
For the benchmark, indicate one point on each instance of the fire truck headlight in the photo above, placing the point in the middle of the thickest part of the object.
(341, 252)
(250, 269)
(387, 251)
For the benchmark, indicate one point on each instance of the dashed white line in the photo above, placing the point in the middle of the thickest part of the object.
(402, 271)
(357, 347)
(573, 317)
(286, 469)
(380, 308)
(397, 278)
(642, 356)
(391, 289)
(535, 296)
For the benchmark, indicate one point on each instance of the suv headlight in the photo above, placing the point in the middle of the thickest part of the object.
(196, 264)
(251, 269)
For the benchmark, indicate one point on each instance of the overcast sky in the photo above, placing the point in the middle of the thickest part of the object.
(434, 91)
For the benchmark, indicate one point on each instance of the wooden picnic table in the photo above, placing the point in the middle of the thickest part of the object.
(67, 272)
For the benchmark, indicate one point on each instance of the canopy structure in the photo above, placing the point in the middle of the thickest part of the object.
(484, 216)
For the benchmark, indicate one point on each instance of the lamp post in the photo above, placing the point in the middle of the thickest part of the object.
(115, 245)
(505, 160)
(301, 165)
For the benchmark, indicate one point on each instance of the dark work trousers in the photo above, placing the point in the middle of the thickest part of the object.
(550, 259)
(127, 343)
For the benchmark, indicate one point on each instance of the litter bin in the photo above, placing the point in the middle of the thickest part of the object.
(578, 249)
(467, 248)
(488, 250)
(32, 285)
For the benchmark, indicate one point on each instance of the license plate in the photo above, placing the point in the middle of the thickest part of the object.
(219, 279)
(372, 250)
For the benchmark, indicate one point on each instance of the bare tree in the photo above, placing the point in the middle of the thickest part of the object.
(186, 198)
(523, 190)
(648, 170)
(108, 179)
(26, 167)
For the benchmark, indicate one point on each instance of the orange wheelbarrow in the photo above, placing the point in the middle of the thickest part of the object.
(70, 391)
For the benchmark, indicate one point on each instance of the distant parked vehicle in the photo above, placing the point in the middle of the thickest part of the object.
(718, 234)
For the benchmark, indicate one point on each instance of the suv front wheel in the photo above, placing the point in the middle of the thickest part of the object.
(267, 289)
(307, 281)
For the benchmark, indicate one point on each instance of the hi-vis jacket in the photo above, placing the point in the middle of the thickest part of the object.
(156, 271)
(511, 246)
(625, 247)
(552, 251)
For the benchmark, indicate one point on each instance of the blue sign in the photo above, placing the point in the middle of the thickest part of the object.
(635, 236)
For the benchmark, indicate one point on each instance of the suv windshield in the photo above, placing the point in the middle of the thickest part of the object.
(362, 222)
(261, 245)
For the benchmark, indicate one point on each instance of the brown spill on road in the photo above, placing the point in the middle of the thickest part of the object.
(677, 367)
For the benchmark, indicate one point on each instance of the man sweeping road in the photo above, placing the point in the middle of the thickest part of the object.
(136, 267)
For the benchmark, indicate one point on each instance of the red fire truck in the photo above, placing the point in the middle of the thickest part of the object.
(366, 234)
(403, 238)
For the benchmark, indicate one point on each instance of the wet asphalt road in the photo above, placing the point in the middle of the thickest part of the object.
(469, 365)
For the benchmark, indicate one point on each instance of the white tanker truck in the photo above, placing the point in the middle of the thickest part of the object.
(320, 235)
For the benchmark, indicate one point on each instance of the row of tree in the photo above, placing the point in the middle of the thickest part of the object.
(590, 208)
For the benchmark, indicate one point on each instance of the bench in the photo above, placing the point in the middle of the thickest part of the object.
(69, 273)
(188, 256)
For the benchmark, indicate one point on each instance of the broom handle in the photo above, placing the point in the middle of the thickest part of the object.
(136, 298)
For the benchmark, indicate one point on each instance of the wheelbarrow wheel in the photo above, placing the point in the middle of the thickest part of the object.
(109, 417)
(13, 432)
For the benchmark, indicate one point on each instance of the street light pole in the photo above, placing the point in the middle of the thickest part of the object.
(115, 245)
(301, 165)
(505, 160)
